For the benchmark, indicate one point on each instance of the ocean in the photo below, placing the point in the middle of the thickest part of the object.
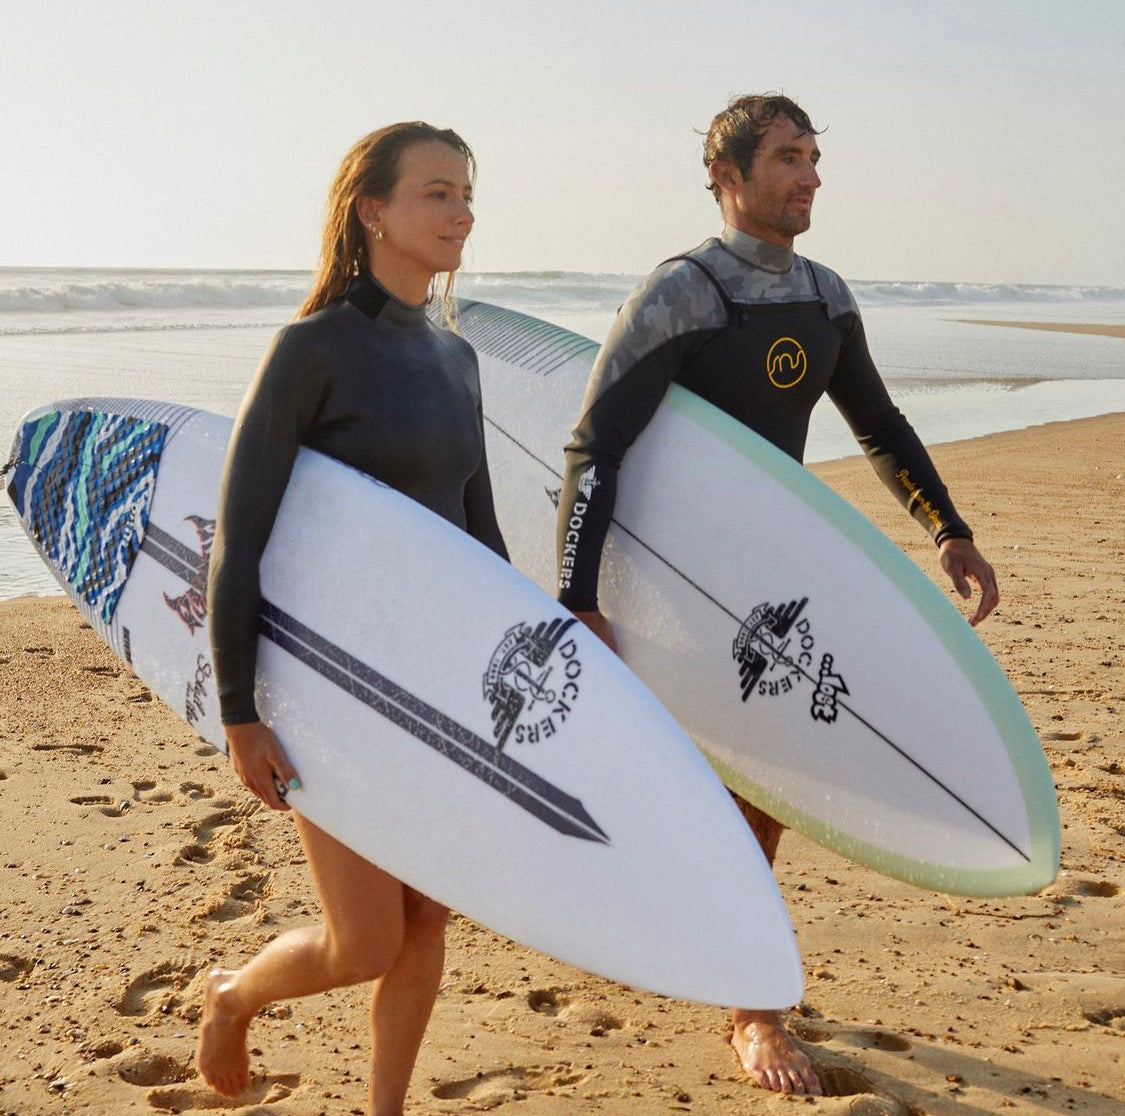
(196, 337)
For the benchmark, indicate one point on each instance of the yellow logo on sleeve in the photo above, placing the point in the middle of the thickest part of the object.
(786, 363)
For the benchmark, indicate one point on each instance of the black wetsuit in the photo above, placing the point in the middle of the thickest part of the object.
(762, 334)
(367, 380)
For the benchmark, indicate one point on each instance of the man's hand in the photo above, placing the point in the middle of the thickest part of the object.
(261, 764)
(964, 564)
(599, 625)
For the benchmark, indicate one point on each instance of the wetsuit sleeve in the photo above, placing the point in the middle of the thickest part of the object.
(278, 410)
(480, 509)
(889, 441)
(654, 332)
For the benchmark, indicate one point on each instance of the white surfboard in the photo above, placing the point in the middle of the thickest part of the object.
(826, 677)
(449, 720)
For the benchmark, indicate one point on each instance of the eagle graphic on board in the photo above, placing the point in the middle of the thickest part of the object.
(761, 641)
(519, 672)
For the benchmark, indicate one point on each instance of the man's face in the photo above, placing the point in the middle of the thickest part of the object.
(775, 202)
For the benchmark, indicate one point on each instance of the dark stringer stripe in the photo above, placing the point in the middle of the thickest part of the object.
(451, 739)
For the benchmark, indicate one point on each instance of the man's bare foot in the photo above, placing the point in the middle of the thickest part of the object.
(770, 1057)
(221, 1054)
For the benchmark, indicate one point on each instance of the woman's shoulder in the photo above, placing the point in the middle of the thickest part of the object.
(447, 336)
(315, 334)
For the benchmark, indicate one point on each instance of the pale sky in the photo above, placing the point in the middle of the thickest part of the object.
(976, 141)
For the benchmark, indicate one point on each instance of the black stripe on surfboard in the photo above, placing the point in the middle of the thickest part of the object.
(475, 755)
(173, 555)
(434, 728)
(897, 748)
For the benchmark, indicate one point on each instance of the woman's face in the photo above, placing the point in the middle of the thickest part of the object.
(427, 218)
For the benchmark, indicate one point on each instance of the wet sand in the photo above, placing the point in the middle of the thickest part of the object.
(1105, 330)
(132, 862)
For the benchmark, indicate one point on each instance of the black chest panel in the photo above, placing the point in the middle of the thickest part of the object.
(768, 366)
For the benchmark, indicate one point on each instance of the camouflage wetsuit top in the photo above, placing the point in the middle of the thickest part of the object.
(760, 332)
(372, 382)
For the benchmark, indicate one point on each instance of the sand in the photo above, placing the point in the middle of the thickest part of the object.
(1100, 330)
(132, 862)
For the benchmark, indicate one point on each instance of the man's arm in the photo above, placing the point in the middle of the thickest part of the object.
(642, 354)
(901, 461)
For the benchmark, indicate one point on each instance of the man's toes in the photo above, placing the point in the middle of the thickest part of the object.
(810, 1082)
(798, 1084)
(778, 1081)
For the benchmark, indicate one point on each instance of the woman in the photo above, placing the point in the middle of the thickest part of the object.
(363, 376)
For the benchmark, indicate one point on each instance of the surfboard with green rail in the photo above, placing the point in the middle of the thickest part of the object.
(825, 676)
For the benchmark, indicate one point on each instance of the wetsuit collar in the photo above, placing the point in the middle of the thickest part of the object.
(367, 294)
(759, 253)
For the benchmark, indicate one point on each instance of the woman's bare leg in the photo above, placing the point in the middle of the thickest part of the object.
(360, 939)
(402, 1001)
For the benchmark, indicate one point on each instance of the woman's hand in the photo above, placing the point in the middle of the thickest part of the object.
(261, 764)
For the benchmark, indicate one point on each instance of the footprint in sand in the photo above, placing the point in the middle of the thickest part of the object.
(104, 671)
(194, 854)
(100, 1050)
(880, 1106)
(157, 989)
(807, 1032)
(875, 1040)
(490, 1090)
(195, 791)
(149, 791)
(1101, 997)
(105, 804)
(1069, 888)
(146, 1069)
(1101, 889)
(547, 1001)
(841, 1081)
(593, 1020)
(243, 899)
(13, 967)
(199, 1098)
(229, 813)
(206, 831)
(75, 749)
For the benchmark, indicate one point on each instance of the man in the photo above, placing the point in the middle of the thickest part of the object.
(710, 320)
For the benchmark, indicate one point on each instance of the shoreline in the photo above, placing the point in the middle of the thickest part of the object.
(1106, 329)
(134, 863)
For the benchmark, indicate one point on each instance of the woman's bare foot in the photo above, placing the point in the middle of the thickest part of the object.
(770, 1057)
(221, 1054)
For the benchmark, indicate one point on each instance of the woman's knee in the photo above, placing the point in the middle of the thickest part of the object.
(357, 959)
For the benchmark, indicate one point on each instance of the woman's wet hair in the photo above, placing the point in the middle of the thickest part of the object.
(369, 170)
(736, 132)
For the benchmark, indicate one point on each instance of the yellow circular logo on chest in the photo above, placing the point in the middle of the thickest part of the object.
(786, 363)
